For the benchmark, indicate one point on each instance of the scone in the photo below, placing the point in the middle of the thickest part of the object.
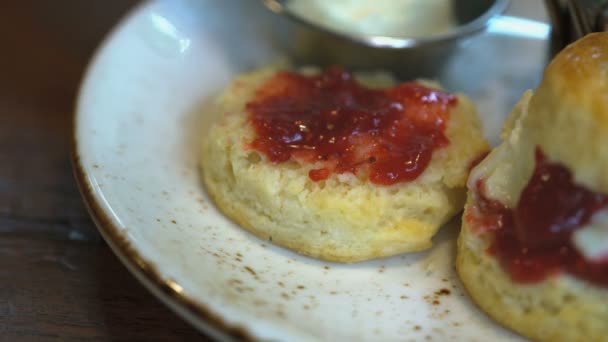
(319, 163)
(533, 250)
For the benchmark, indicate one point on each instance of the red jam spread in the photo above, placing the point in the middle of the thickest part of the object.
(534, 240)
(341, 126)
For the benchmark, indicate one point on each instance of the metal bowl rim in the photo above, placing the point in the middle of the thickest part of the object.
(388, 42)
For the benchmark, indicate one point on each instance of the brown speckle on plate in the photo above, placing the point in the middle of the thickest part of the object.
(443, 292)
(250, 270)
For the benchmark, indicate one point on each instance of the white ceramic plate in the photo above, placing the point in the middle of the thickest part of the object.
(139, 119)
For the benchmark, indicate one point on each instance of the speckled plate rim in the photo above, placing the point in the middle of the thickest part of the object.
(197, 314)
(166, 289)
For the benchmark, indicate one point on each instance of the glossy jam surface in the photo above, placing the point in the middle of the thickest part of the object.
(343, 127)
(534, 240)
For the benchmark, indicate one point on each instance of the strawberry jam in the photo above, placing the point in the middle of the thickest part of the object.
(534, 240)
(343, 127)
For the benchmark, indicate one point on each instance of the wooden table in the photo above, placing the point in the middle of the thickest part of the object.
(58, 279)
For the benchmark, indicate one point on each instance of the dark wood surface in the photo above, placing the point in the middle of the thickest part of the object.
(58, 279)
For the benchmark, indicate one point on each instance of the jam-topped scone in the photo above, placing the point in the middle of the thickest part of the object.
(337, 166)
(533, 250)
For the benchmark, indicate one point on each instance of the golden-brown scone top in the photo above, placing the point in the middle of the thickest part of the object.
(566, 116)
(570, 110)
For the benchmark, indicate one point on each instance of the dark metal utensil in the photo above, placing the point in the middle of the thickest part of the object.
(573, 19)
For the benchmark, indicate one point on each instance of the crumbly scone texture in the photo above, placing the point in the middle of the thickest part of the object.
(345, 218)
(567, 117)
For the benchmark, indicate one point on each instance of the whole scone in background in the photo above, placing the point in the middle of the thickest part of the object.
(344, 218)
(567, 118)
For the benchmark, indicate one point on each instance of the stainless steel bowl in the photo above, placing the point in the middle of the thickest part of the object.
(309, 43)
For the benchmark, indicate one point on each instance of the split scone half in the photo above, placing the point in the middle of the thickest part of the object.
(338, 166)
(533, 250)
